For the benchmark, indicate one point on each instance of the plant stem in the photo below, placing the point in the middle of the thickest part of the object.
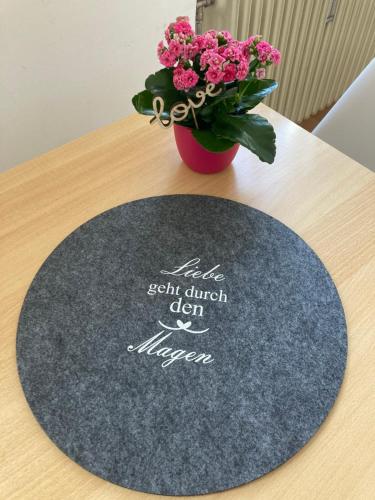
(243, 90)
(194, 117)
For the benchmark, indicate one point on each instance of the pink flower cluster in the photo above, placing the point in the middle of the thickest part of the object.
(221, 58)
(267, 53)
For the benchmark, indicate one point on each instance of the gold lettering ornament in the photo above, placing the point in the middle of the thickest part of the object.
(180, 110)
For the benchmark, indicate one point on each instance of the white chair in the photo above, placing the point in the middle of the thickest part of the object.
(350, 125)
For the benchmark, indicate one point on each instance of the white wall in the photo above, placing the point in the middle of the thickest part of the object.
(70, 66)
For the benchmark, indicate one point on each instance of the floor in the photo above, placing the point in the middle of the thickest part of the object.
(310, 123)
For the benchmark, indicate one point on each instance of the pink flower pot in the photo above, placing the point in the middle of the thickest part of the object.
(197, 157)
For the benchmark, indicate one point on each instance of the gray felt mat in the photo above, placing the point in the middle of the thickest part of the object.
(181, 344)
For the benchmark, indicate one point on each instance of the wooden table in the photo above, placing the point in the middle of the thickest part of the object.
(324, 196)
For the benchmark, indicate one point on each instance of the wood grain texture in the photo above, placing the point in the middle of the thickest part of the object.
(327, 198)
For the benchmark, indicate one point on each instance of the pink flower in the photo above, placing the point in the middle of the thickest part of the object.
(211, 33)
(189, 51)
(175, 48)
(183, 28)
(226, 35)
(160, 48)
(221, 49)
(245, 46)
(229, 72)
(183, 18)
(245, 54)
(215, 59)
(260, 73)
(184, 79)
(232, 53)
(198, 42)
(178, 70)
(167, 33)
(222, 58)
(209, 42)
(264, 50)
(177, 78)
(253, 40)
(206, 55)
(167, 59)
(214, 74)
(275, 56)
(242, 70)
(249, 41)
(190, 78)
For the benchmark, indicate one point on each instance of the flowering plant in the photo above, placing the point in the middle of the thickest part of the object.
(228, 78)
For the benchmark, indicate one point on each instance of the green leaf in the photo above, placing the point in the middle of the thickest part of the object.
(254, 85)
(161, 84)
(171, 97)
(254, 63)
(197, 69)
(210, 141)
(252, 131)
(252, 91)
(143, 102)
(160, 81)
(226, 100)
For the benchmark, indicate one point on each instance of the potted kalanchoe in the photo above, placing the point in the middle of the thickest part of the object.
(205, 90)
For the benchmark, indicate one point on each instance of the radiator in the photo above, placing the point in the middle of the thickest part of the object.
(325, 44)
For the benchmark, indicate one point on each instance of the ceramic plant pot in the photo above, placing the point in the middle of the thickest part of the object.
(197, 157)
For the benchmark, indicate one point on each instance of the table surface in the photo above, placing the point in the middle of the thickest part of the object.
(326, 197)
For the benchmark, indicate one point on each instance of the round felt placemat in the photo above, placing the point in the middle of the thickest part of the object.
(181, 344)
